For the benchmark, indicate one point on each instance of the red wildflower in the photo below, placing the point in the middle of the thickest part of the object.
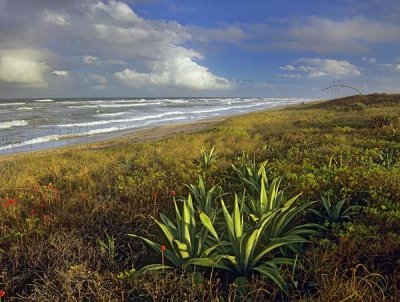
(163, 248)
(154, 195)
(173, 193)
(8, 203)
(2, 293)
(11, 201)
(33, 212)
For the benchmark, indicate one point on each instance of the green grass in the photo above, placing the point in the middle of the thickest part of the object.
(65, 238)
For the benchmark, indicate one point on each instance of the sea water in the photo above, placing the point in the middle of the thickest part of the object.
(34, 124)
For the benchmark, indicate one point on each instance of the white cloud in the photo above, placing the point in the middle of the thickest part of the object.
(102, 35)
(291, 76)
(287, 67)
(177, 72)
(316, 68)
(368, 60)
(118, 10)
(89, 59)
(60, 20)
(23, 67)
(60, 73)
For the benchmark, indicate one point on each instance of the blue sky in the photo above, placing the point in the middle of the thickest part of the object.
(90, 48)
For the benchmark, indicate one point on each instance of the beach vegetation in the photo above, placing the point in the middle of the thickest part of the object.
(65, 213)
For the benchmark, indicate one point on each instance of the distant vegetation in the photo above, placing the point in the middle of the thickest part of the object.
(296, 204)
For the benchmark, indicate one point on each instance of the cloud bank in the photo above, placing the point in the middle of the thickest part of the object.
(108, 38)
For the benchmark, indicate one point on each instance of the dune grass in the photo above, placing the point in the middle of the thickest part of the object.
(65, 214)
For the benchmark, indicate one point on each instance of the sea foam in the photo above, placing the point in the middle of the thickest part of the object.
(11, 124)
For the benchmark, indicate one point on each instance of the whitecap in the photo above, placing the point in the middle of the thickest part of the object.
(12, 104)
(11, 124)
(44, 100)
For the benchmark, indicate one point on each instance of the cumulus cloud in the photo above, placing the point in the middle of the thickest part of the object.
(317, 68)
(179, 72)
(22, 67)
(60, 73)
(105, 34)
(117, 10)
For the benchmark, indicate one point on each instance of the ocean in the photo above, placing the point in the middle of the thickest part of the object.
(35, 124)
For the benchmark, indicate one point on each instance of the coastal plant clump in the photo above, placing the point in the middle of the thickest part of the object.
(65, 214)
(248, 240)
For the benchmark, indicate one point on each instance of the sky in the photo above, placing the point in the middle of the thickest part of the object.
(156, 48)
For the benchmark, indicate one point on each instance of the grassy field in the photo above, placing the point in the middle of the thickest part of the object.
(65, 214)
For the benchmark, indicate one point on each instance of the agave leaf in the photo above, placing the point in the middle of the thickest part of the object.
(147, 268)
(292, 200)
(270, 247)
(254, 217)
(213, 262)
(215, 246)
(272, 274)
(167, 232)
(186, 224)
(157, 247)
(249, 244)
(208, 225)
(237, 219)
(263, 204)
(182, 248)
(284, 261)
(318, 213)
(178, 219)
(228, 221)
(169, 224)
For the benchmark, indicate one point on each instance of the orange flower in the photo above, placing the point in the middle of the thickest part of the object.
(2, 293)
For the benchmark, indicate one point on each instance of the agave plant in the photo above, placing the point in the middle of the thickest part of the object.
(186, 239)
(334, 212)
(388, 158)
(272, 200)
(204, 198)
(244, 250)
(207, 158)
(250, 175)
(270, 197)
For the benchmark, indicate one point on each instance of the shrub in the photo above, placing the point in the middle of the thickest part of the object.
(378, 121)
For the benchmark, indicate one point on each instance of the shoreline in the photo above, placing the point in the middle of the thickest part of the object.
(101, 141)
